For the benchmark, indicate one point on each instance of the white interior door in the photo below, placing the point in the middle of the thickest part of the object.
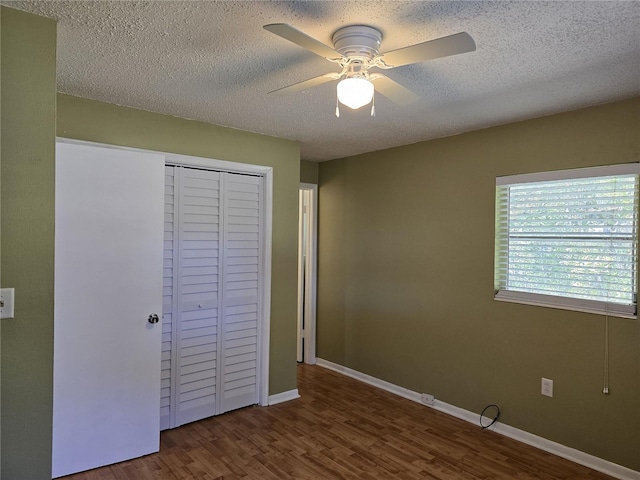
(302, 229)
(307, 264)
(108, 280)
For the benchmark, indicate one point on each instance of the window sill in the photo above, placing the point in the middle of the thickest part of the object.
(563, 303)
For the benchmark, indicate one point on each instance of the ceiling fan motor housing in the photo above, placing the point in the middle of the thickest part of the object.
(358, 42)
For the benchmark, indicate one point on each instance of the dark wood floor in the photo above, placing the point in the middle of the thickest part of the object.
(339, 429)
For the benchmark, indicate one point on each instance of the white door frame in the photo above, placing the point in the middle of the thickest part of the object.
(266, 241)
(308, 295)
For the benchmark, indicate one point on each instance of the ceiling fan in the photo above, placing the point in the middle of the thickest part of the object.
(357, 51)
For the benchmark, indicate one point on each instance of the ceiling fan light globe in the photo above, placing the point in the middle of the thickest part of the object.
(355, 92)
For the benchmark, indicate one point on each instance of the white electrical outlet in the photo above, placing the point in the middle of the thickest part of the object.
(427, 399)
(6, 302)
(547, 387)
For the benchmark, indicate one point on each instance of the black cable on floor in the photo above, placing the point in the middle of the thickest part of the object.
(495, 419)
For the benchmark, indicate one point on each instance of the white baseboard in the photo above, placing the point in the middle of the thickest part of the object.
(604, 466)
(283, 396)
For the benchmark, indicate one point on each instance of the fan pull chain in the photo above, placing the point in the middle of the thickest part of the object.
(337, 108)
(605, 388)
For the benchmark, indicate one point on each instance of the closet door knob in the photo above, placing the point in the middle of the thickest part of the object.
(153, 318)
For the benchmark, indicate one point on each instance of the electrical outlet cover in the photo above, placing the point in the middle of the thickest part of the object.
(427, 399)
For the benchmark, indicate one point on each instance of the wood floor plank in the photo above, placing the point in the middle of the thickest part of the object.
(340, 429)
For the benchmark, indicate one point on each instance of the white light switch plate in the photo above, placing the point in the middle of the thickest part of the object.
(547, 387)
(6, 302)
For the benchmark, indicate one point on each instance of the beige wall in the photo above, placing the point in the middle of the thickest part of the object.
(308, 172)
(104, 123)
(27, 212)
(405, 289)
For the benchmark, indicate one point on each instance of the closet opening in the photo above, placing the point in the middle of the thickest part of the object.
(212, 297)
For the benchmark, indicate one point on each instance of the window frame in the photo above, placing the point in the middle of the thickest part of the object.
(563, 302)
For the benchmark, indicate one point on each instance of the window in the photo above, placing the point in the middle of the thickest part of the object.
(568, 239)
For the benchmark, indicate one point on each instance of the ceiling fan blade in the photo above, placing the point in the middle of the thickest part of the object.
(440, 47)
(294, 35)
(306, 84)
(393, 90)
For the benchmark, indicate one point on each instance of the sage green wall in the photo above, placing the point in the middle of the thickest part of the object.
(405, 289)
(27, 211)
(331, 306)
(308, 172)
(94, 121)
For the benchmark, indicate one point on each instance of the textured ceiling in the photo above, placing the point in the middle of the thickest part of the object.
(212, 61)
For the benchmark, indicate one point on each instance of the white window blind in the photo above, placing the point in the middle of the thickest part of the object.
(568, 239)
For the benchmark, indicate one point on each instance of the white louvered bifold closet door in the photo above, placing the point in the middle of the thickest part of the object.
(197, 290)
(241, 270)
(212, 258)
